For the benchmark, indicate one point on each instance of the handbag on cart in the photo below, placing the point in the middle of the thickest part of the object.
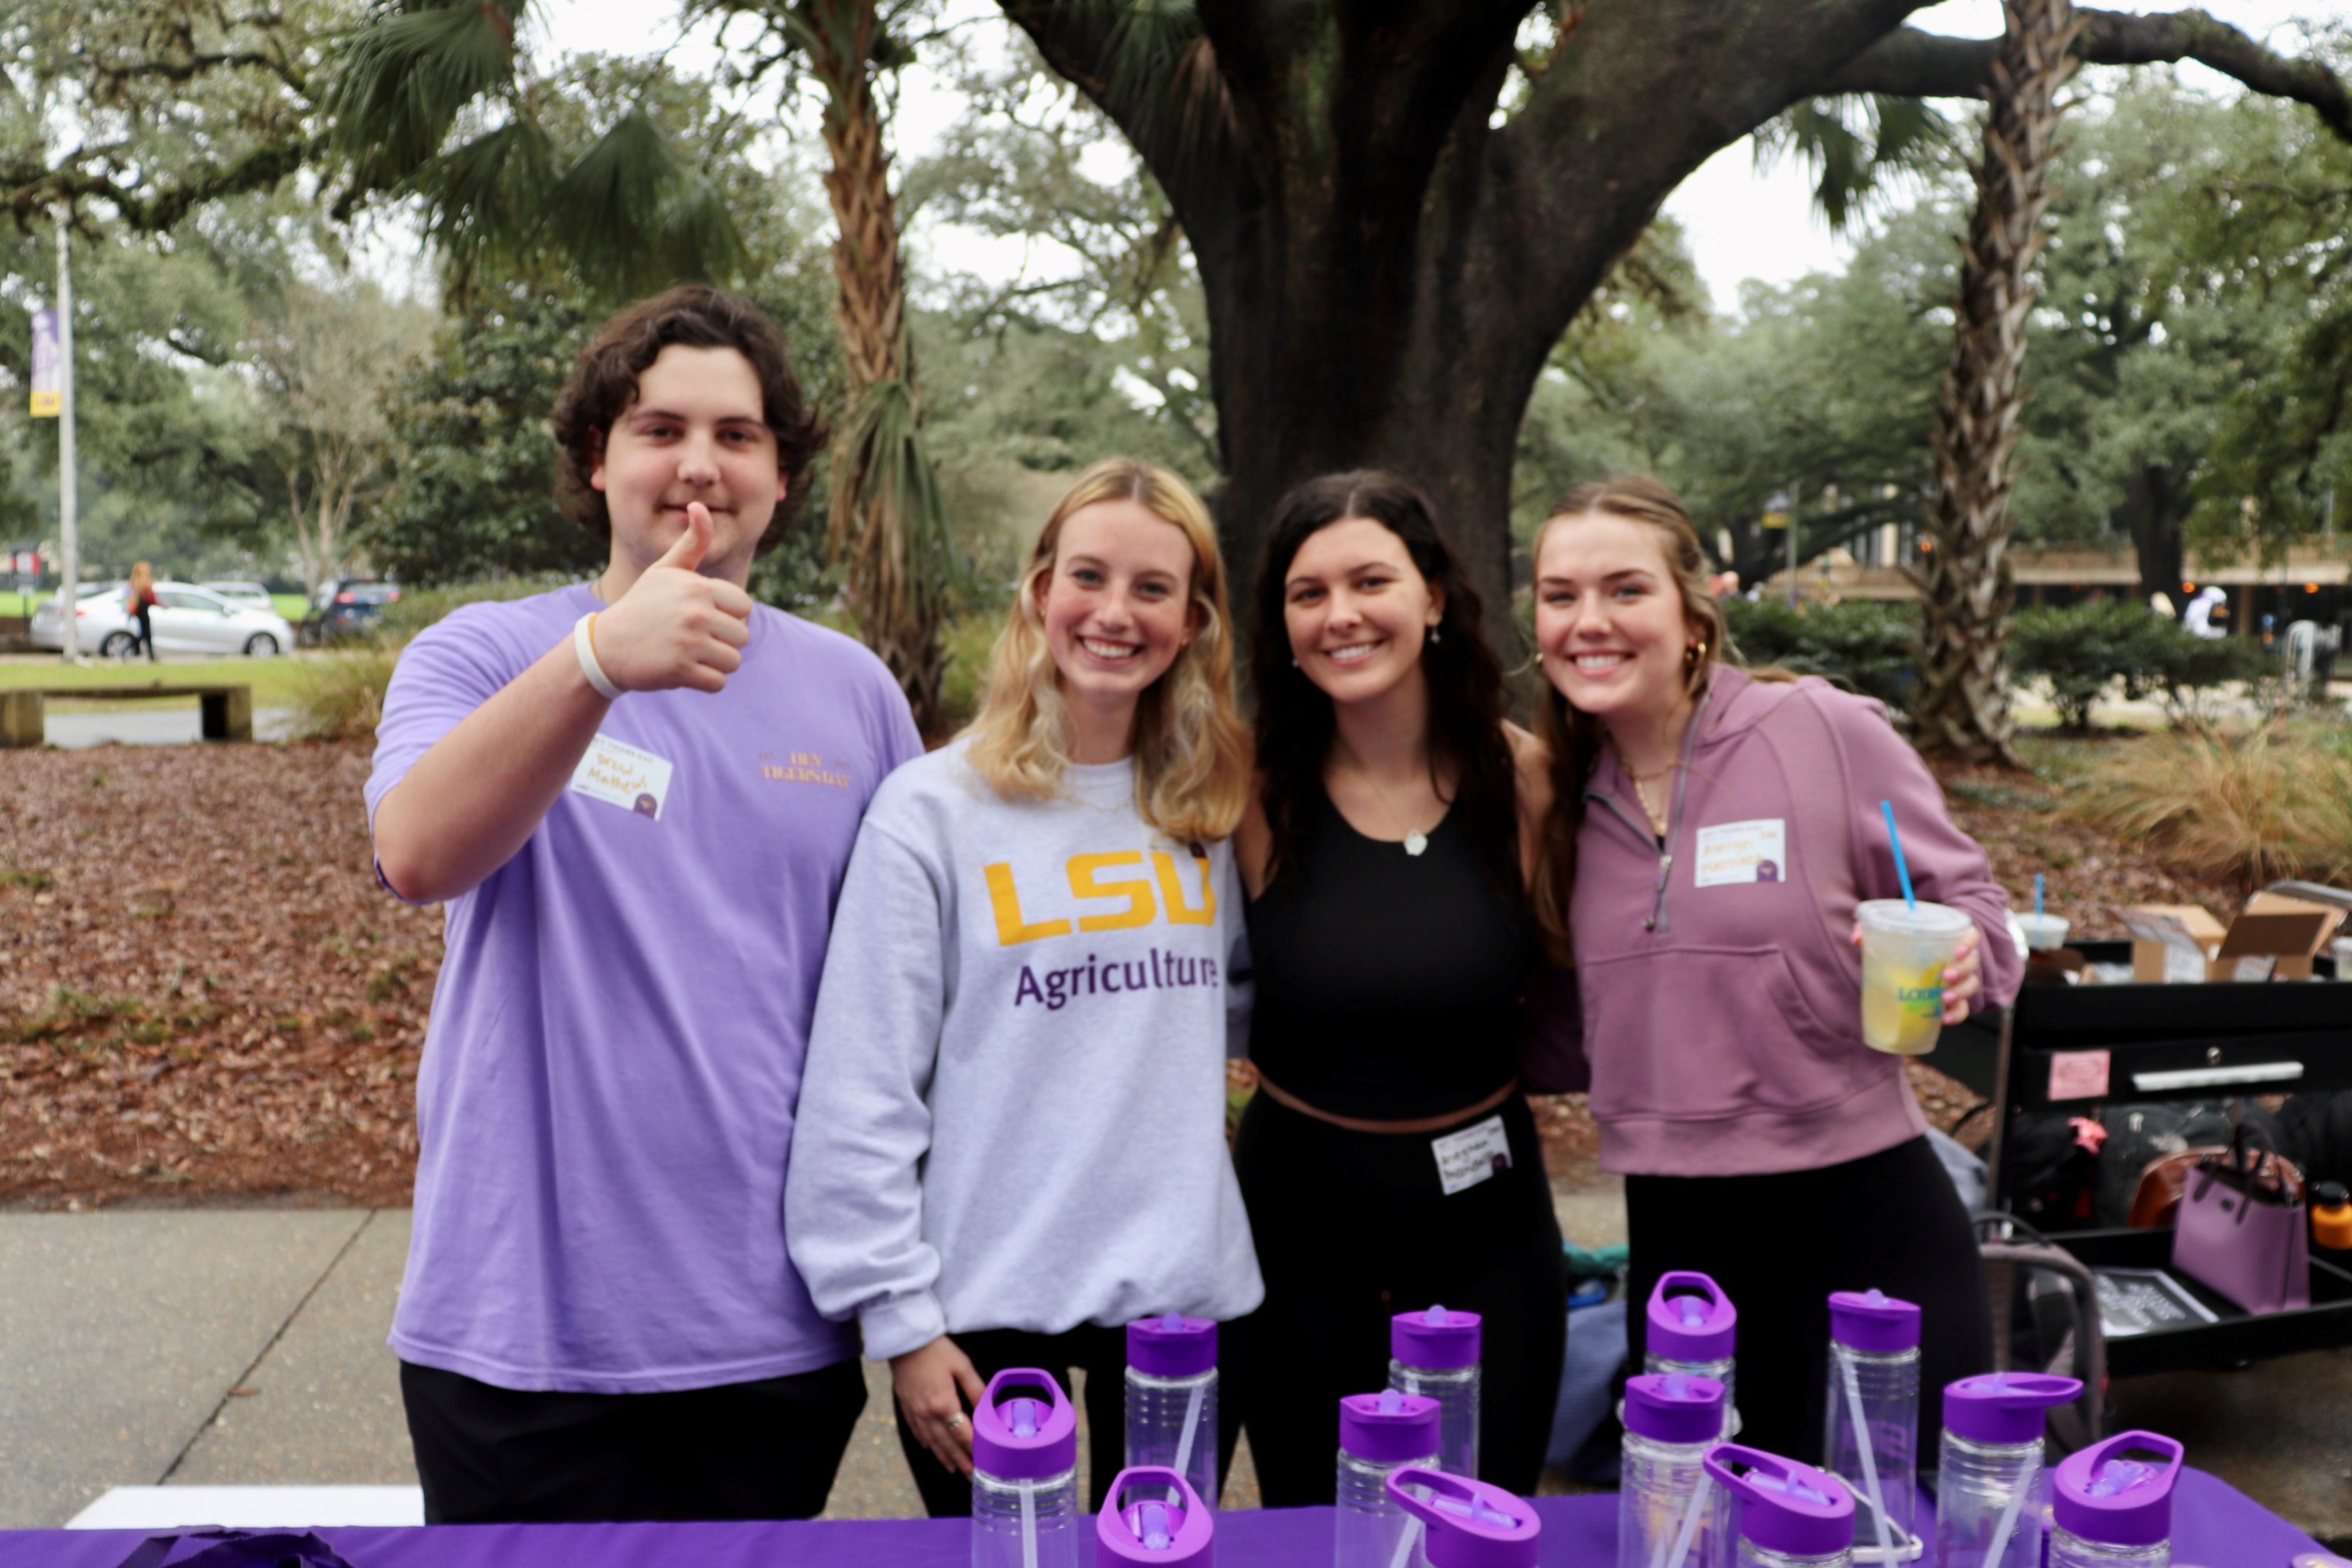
(2157, 1200)
(2242, 1231)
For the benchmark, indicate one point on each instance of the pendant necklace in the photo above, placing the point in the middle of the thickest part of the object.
(1415, 841)
(1642, 782)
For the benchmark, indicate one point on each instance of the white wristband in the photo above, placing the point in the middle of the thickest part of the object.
(584, 645)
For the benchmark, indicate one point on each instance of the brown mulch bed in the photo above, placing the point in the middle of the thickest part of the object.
(205, 998)
(204, 995)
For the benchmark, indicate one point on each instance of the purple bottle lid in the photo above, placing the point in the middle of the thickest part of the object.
(1167, 1525)
(1387, 1427)
(1172, 1346)
(1674, 1407)
(1024, 1429)
(2004, 1406)
(1436, 1339)
(1690, 1319)
(2101, 1495)
(1469, 1524)
(1784, 1506)
(1873, 1321)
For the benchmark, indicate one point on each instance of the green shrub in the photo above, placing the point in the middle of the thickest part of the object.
(339, 696)
(2275, 801)
(1862, 645)
(2084, 649)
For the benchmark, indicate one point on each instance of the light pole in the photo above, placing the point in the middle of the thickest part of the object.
(53, 398)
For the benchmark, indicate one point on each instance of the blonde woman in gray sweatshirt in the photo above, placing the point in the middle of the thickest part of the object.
(1010, 1139)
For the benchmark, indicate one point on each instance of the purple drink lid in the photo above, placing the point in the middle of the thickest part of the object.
(1169, 1526)
(2100, 1496)
(1690, 1319)
(1017, 1436)
(1469, 1524)
(2004, 1406)
(1387, 1427)
(1784, 1506)
(1436, 1339)
(1674, 1407)
(1172, 1346)
(1873, 1321)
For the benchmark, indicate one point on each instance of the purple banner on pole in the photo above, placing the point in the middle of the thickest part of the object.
(48, 367)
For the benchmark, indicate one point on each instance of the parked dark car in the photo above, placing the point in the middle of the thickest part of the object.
(345, 608)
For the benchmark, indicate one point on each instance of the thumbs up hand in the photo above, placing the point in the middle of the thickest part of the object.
(675, 627)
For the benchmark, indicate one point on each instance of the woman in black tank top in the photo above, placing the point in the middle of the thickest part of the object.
(1388, 1161)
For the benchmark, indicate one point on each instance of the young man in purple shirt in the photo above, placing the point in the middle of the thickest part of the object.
(636, 797)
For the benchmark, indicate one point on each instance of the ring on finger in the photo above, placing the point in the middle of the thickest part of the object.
(954, 1421)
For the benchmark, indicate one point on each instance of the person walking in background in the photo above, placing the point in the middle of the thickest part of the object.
(1710, 835)
(638, 797)
(1390, 1161)
(139, 601)
(1012, 1124)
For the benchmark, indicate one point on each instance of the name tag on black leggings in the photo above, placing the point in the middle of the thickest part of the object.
(1473, 1155)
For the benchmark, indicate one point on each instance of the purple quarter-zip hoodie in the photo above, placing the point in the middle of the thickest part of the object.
(1720, 994)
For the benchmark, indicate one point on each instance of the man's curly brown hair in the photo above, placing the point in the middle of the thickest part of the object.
(605, 383)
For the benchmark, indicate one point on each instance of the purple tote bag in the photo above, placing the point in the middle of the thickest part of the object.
(2247, 1240)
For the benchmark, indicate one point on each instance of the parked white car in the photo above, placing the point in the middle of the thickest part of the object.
(240, 594)
(186, 619)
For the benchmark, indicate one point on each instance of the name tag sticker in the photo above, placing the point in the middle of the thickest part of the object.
(1743, 852)
(1471, 1156)
(627, 776)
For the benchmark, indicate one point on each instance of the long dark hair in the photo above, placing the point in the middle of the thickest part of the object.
(1467, 700)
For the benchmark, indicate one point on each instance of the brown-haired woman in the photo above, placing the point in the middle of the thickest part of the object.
(1710, 835)
(1388, 1161)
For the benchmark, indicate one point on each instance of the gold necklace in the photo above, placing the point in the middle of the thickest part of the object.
(1642, 781)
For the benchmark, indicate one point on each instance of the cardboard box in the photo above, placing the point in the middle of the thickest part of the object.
(2273, 938)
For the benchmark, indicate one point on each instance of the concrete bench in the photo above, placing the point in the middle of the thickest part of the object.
(228, 710)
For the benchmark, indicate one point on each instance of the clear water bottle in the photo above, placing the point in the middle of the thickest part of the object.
(1990, 1479)
(2111, 1505)
(1790, 1515)
(1871, 1437)
(1669, 1514)
(1171, 1398)
(1434, 1353)
(1153, 1518)
(1378, 1434)
(1456, 1522)
(1691, 1327)
(1025, 1474)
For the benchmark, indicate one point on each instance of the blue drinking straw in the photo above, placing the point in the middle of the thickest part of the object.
(1901, 867)
(2037, 895)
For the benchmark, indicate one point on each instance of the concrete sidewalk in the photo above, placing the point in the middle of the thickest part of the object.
(246, 1347)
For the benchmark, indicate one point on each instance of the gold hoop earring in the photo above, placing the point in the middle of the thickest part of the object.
(1693, 654)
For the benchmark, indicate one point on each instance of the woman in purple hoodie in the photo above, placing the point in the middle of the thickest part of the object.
(1711, 834)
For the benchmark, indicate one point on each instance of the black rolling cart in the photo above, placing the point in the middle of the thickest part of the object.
(2077, 1047)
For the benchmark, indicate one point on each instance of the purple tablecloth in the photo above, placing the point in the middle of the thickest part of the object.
(2214, 1526)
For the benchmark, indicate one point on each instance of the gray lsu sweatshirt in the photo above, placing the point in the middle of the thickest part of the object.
(1013, 1111)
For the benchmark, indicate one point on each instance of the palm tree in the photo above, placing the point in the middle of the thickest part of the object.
(633, 213)
(1962, 704)
(888, 519)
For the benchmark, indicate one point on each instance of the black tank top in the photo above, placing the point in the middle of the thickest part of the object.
(1388, 984)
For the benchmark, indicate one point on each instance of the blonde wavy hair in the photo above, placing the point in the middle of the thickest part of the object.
(1192, 751)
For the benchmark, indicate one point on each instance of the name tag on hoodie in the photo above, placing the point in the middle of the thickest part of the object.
(1743, 852)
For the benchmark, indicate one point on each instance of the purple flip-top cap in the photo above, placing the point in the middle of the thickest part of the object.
(1784, 1506)
(2101, 1495)
(1172, 1346)
(1387, 1427)
(1873, 1321)
(1168, 1527)
(1436, 1339)
(1690, 1319)
(1018, 1436)
(1674, 1407)
(2004, 1406)
(1470, 1524)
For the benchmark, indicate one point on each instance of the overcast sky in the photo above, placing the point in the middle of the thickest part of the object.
(1741, 224)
